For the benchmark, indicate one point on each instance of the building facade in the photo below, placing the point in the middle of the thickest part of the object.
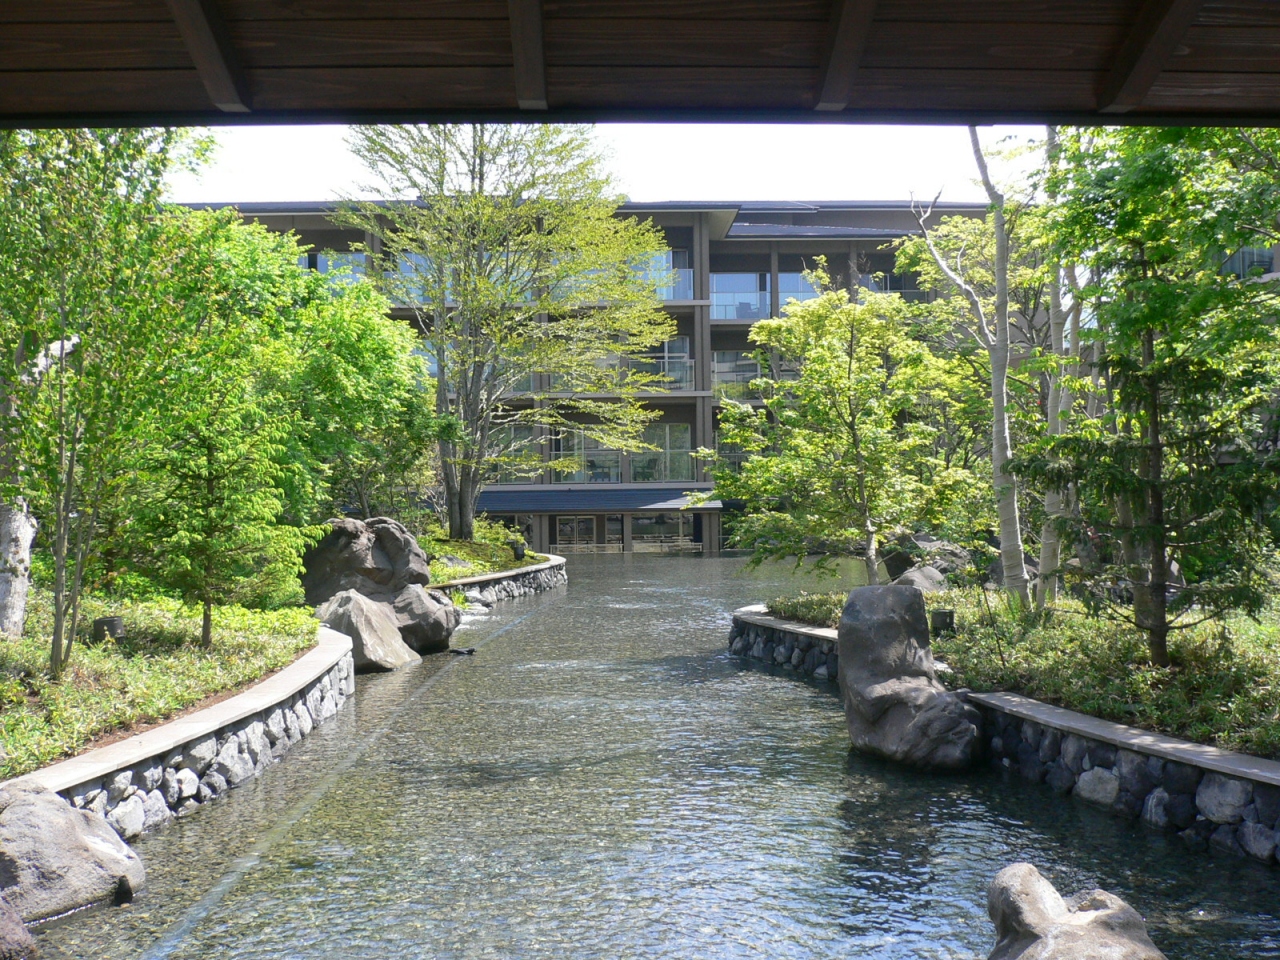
(731, 264)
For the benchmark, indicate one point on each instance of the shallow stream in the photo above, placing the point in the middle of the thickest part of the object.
(602, 780)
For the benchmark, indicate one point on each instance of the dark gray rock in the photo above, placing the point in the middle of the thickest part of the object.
(1060, 779)
(372, 627)
(1257, 841)
(1181, 777)
(1033, 922)
(894, 705)
(214, 783)
(1181, 810)
(55, 858)
(1101, 754)
(1050, 745)
(1223, 799)
(897, 562)
(1074, 751)
(15, 942)
(924, 579)
(1266, 800)
(1155, 809)
(377, 558)
(1224, 840)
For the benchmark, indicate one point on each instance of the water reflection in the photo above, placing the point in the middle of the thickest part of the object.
(601, 779)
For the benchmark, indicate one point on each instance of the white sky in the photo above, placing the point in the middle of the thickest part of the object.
(651, 162)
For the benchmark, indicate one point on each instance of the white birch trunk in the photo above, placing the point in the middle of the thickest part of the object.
(17, 532)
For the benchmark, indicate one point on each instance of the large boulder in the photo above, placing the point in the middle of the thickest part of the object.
(372, 627)
(925, 579)
(15, 942)
(382, 561)
(55, 858)
(1033, 922)
(893, 703)
(377, 558)
(426, 618)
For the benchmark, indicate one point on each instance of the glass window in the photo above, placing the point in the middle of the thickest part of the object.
(661, 527)
(794, 286)
(740, 296)
(573, 531)
(671, 461)
(1248, 262)
(514, 456)
(732, 372)
(670, 360)
(589, 462)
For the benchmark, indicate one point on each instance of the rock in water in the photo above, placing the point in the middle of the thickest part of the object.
(425, 622)
(55, 858)
(15, 942)
(1034, 923)
(893, 703)
(375, 636)
(381, 560)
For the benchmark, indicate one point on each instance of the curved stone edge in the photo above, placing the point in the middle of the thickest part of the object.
(1213, 798)
(488, 588)
(171, 770)
(798, 648)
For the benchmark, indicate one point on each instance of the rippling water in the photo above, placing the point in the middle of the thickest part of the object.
(602, 780)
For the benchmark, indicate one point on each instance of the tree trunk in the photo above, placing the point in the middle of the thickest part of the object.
(1011, 558)
(1158, 557)
(1050, 541)
(873, 558)
(206, 625)
(17, 531)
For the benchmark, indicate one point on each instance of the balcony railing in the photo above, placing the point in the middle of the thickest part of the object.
(657, 466)
(741, 305)
(678, 372)
(731, 374)
(595, 466)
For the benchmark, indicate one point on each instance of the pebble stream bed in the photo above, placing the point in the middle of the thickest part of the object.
(603, 779)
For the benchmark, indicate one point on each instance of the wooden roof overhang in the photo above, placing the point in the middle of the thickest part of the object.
(85, 62)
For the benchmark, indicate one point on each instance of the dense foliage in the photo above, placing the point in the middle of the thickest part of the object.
(184, 402)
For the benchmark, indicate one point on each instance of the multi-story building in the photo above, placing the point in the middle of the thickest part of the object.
(731, 264)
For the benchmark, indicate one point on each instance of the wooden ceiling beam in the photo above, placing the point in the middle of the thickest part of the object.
(846, 41)
(530, 61)
(206, 38)
(1151, 41)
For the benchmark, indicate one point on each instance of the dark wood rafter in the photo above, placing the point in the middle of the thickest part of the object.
(1150, 43)
(207, 41)
(846, 41)
(529, 58)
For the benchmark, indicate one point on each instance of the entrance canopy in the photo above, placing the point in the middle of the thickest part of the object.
(77, 62)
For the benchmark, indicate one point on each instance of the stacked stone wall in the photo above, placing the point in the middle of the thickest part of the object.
(486, 591)
(150, 793)
(794, 651)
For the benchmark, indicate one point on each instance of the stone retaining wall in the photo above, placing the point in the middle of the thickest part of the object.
(488, 589)
(170, 771)
(806, 651)
(1212, 798)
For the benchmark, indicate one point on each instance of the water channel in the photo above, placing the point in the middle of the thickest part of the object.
(601, 779)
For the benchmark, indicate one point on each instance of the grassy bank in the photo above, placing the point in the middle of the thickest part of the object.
(157, 671)
(477, 556)
(1222, 690)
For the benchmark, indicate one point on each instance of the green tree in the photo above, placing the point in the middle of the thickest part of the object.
(1175, 467)
(212, 462)
(841, 449)
(78, 231)
(503, 241)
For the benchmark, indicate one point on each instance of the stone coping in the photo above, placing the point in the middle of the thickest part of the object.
(330, 647)
(1226, 762)
(551, 561)
(755, 613)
